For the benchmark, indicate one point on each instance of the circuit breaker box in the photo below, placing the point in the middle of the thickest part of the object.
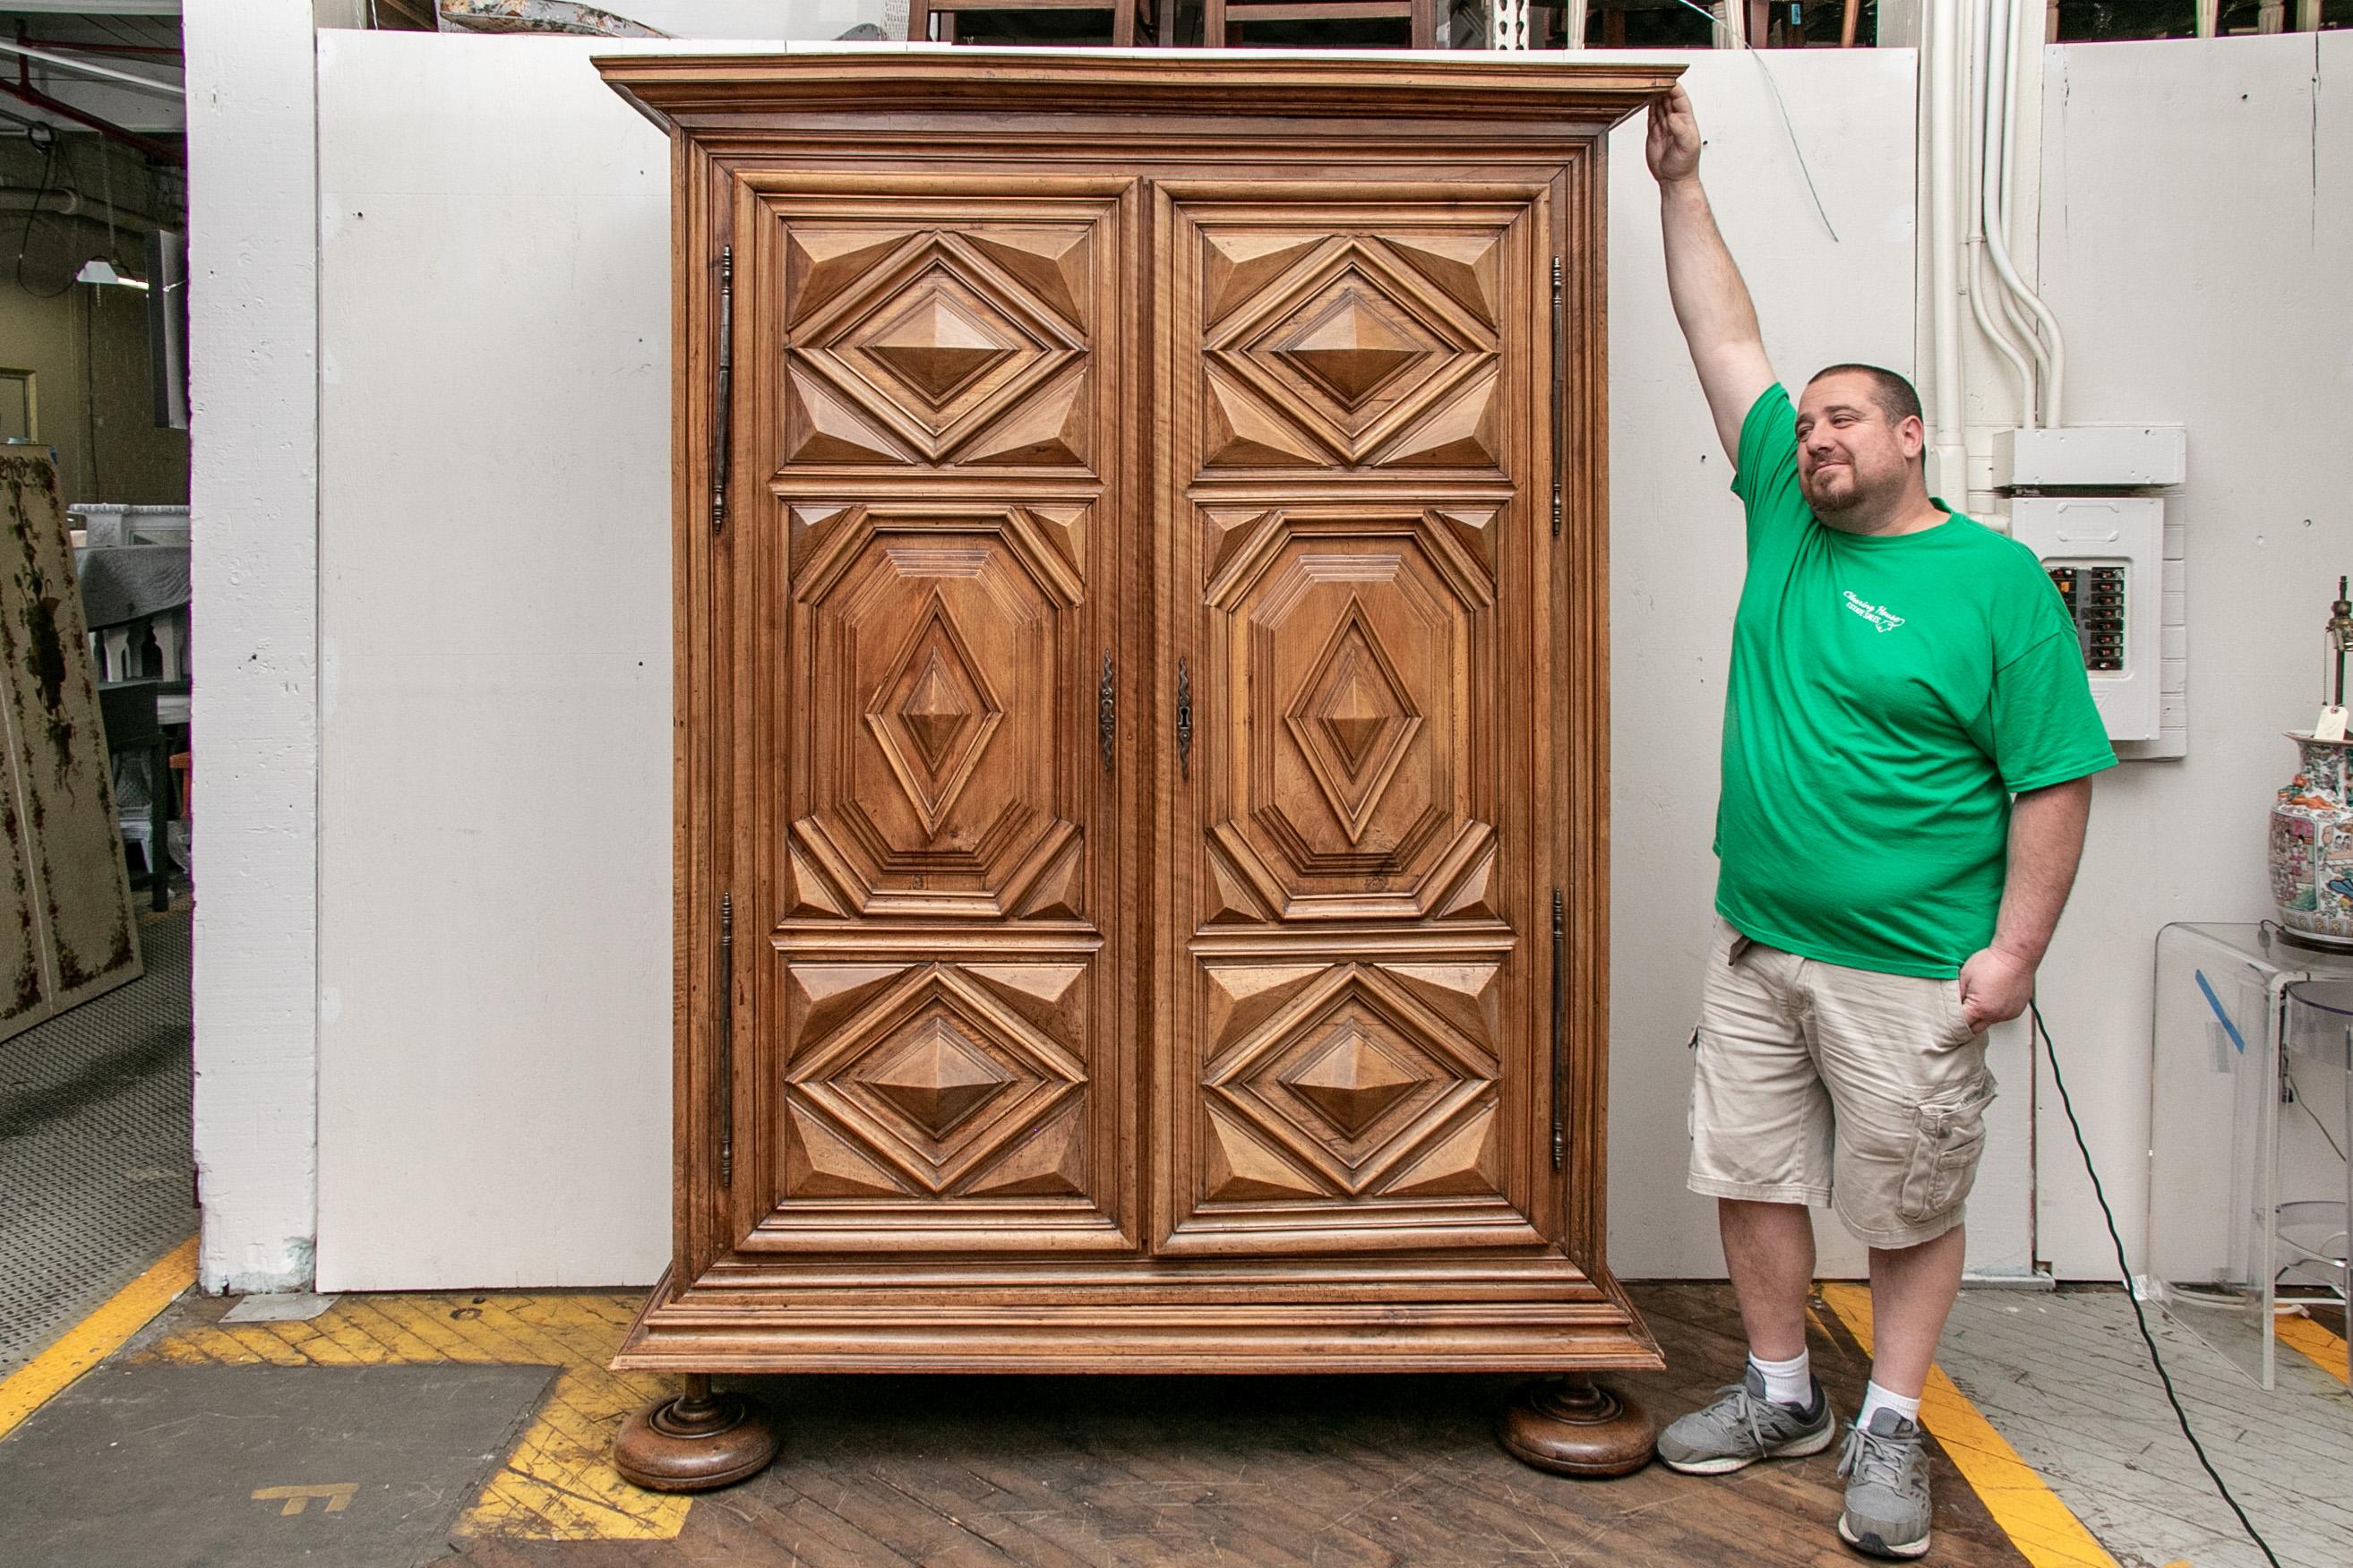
(2107, 556)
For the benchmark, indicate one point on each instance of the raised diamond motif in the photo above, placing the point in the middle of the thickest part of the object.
(1351, 349)
(933, 716)
(936, 710)
(1352, 1080)
(936, 1079)
(1354, 347)
(939, 1079)
(937, 346)
(1353, 722)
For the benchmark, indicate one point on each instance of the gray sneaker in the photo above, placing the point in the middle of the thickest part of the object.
(1743, 1427)
(1886, 1468)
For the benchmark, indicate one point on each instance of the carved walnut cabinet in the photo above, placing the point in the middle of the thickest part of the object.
(1141, 723)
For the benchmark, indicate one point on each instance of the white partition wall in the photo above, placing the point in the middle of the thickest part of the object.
(491, 988)
(494, 948)
(494, 821)
(254, 444)
(2197, 218)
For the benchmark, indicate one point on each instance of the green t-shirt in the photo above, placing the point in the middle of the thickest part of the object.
(1889, 694)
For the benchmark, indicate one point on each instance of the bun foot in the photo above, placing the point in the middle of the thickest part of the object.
(1573, 1426)
(696, 1442)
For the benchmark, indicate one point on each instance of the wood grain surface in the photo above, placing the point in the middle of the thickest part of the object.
(1145, 708)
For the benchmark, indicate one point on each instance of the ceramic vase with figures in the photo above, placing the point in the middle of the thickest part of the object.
(2312, 846)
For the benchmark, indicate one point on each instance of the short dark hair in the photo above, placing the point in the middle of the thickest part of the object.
(1896, 397)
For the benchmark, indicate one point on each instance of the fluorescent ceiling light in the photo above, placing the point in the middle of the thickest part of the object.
(97, 269)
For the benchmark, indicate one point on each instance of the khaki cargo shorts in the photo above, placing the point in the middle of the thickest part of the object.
(1816, 1084)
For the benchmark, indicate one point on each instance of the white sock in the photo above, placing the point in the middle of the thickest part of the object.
(1875, 1398)
(1788, 1382)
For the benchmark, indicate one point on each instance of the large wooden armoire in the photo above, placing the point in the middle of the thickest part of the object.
(1142, 875)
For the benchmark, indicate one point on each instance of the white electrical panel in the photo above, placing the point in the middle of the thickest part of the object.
(2107, 554)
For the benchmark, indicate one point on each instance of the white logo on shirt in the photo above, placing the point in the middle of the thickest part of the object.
(1878, 615)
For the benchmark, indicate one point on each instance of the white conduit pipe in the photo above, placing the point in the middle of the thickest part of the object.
(2051, 349)
(1943, 81)
(2001, 99)
(2053, 360)
(1985, 162)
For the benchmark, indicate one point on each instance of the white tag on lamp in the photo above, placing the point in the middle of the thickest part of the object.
(2330, 725)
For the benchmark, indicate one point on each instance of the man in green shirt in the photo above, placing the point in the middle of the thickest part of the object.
(1908, 741)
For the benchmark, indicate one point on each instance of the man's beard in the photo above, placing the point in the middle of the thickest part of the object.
(1844, 500)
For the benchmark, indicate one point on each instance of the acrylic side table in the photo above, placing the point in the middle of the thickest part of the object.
(2250, 1101)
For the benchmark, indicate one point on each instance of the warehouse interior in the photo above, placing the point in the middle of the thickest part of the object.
(352, 1211)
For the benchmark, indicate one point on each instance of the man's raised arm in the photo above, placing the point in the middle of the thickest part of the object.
(1711, 303)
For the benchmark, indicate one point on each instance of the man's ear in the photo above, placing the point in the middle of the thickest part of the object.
(1912, 435)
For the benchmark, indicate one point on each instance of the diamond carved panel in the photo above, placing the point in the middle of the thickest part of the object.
(938, 1079)
(1352, 347)
(935, 648)
(1353, 649)
(938, 345)
(1354, 722)
(1349, 348)
(951, 346)
(934, 715)
(942, 1083)
(1352, 1086)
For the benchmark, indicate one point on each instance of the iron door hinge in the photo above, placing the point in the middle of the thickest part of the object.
(1559, 394)
(726, 1037)
(721, 410)
(1559, 1042)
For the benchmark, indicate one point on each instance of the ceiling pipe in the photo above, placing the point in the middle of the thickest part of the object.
(23, 91)
(74, 47)
(59, 201)
(83, 67)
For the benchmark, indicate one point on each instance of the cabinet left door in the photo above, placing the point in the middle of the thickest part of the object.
(925, 653)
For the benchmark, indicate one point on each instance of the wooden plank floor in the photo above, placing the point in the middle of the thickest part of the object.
(1274, 1471)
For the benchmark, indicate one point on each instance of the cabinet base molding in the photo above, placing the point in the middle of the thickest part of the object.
(1030, 1331)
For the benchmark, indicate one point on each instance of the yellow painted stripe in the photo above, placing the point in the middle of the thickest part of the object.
(98, 1336)
(2325, 1349)
(2044, 1530)
(559, 1483)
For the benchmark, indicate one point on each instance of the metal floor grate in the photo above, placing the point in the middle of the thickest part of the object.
(94, 1146)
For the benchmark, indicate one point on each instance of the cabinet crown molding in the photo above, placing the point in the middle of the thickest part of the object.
(1578, 97)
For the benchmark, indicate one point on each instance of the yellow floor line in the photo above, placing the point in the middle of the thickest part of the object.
(558, 1483)
(2323, 1349)
(98, 1336)
(2044, 1530)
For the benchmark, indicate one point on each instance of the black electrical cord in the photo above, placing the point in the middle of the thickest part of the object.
(48, 163)
(2124, 1270)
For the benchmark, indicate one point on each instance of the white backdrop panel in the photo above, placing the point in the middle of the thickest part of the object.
(494, 820)
(2198, 203)
(494, 878)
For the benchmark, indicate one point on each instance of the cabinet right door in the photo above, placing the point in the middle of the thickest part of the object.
(1357, 489)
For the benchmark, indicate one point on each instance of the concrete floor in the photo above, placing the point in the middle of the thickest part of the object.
(2066, 1379)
